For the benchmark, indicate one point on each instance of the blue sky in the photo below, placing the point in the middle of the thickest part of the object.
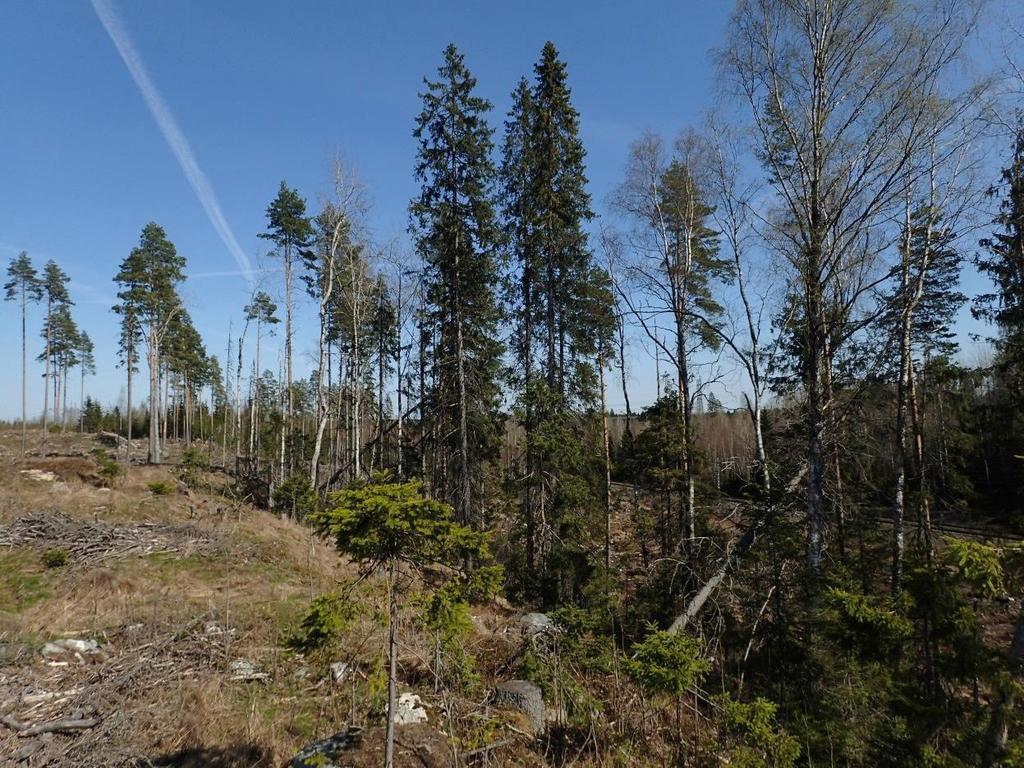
(264, 92)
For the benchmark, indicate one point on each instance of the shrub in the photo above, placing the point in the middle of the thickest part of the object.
(193, 463)
(55, 558)
(759, 741)
(109, 469)
(296, 496)
(160, 488)
(328, 615)
(667, 663)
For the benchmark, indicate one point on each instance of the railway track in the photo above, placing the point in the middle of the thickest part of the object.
(959, 529)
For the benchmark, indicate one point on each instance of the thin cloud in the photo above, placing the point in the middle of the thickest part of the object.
(172, 133)
(227, 273)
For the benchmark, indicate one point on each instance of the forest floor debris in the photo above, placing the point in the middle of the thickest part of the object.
(94, 541)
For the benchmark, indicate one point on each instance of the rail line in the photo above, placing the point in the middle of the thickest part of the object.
(958, 529)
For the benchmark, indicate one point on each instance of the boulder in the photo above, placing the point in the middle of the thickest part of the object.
(534, 624)
(340, 672)
(243, 670)
(322, 754)
(110, 439)
(69, 649)
(524, 697)
(41, 475)
(410, 710)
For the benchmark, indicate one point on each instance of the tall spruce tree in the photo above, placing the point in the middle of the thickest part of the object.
(558, 337)
(148, 278)
(1004, 264)
(458, 237)
(23, 286)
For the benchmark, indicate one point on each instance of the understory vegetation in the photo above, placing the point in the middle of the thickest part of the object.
(806, 548)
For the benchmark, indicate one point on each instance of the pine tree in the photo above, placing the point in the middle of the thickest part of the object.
(262, 311)
(149, 302)
(185, 359)
(63, 341)
(129, 341)
(24, 287)
(86, 367)
(54, 287)
(675, 267)
(457, 235)
(291, 232)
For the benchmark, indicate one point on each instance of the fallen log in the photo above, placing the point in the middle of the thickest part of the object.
(54, 726)
(695, 605)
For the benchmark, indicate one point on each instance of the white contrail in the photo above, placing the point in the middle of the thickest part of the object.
(172, 133)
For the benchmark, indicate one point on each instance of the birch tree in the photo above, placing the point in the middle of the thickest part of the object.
(833, 88)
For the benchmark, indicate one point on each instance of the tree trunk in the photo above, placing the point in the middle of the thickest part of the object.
(153, 358)
(389, 737)
(81, 400)
(24, 374)
(607, 463)
(46, 375)
(64, 400)
(322, 395)
(286, 421)
(131, 360)
(689, 525)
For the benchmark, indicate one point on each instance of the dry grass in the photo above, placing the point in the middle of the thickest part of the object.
(223, 581)
(175, 588)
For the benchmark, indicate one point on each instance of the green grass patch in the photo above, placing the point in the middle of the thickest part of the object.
(161, 488)
(23, 581)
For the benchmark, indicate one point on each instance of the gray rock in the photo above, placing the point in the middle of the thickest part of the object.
(40, 475)
(322, 754)
(522, 696)
(245, 671)
(340, 672)
(110, 439)
(409, 710)
(70, 649)
(534, 624)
